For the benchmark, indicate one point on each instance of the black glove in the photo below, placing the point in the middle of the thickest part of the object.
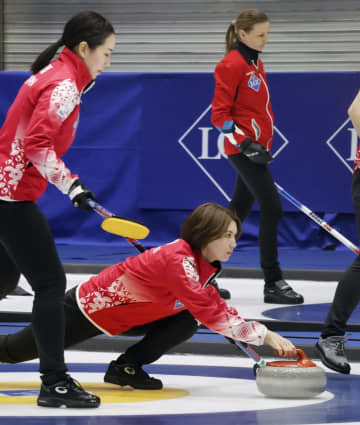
(255, 152)
(79, 195)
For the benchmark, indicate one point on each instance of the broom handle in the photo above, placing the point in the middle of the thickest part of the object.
(248, 351)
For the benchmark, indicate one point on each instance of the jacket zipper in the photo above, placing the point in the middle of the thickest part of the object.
(267, 108)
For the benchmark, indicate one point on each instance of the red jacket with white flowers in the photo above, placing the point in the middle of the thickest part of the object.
(40, 127)
(242, 95)
(158, 283)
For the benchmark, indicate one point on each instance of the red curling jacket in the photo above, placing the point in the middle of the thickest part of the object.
(242, 95)
(159, 283)
(40, 127)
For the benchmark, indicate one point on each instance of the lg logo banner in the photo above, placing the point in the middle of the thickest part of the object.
(184, 161)
(211, 148)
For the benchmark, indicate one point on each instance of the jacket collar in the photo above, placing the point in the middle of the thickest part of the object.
(250, 55)
(207, 270)
(83, 76)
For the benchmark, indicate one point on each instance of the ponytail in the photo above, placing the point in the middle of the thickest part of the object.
(231, 38)
(45, 57)
(84, 26)
(245, 21)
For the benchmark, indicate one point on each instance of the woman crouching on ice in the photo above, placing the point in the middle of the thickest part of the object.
(162, 294)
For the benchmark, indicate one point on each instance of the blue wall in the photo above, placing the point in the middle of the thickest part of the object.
(147, 148)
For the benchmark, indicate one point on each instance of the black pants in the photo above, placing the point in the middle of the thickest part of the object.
(254, 182)
(27, 247)
(160, 335)
(347, 294)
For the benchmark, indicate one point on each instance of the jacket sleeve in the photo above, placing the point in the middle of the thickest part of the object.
(227, 79)
(53, 107)
(207, 306)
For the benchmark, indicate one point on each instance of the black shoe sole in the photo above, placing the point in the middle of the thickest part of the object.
(276, 299)
(330, 365)
(57, 403)
(117, 381)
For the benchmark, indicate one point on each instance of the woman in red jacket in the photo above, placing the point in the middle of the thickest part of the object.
(39, 128)
(160, 293)
(241, 109)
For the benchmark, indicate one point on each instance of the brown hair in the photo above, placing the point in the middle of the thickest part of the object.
(206, 223)
(86, 26)
(245, 21)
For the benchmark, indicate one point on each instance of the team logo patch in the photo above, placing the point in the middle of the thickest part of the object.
(254, 82)
(178, 304)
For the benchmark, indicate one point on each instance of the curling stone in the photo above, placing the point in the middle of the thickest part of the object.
(291, 379)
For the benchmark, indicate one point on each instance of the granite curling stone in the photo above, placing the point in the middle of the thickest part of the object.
(291, 379)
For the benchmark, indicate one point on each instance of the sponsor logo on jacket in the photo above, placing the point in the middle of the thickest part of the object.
(254, 82)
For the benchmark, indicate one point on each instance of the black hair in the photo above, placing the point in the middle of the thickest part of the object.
(84, 26)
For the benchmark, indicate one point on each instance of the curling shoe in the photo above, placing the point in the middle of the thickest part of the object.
(332, 354)
(66, 393)
(224, 293)
(128, 374)
(281, 293)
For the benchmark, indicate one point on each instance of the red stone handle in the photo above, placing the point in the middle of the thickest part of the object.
(302, 361)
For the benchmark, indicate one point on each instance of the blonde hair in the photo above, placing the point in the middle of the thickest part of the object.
(245, 21)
